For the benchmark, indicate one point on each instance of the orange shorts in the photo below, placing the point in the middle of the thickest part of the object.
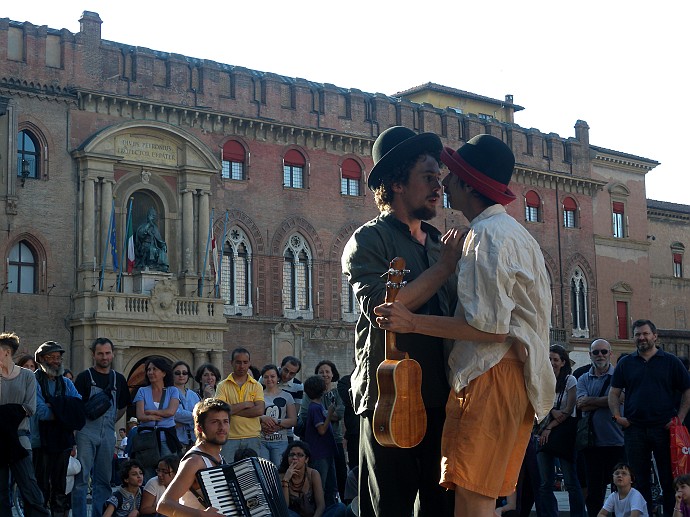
(487, 429)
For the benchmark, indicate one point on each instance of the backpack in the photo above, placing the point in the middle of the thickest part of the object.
(99, 404)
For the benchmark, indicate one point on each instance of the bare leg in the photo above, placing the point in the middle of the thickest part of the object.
(472, 504)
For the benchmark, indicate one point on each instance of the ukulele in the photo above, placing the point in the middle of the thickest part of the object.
(399, 416)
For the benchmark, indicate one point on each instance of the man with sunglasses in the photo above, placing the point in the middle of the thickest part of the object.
(592, 397)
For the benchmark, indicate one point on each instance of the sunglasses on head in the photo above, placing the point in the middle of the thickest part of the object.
(597, 352)
(178, 372)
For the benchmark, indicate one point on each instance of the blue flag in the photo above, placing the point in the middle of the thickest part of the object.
(113, 241)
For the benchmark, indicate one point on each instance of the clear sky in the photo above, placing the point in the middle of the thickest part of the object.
(621, 66)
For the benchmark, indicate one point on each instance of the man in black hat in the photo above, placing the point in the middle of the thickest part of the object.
(60, 412)
(499, 364)
(407, 189)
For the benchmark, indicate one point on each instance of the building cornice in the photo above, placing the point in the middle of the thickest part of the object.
(614, 242)
(657, 213)
(623, 161)
(213, 121)
(565, 182)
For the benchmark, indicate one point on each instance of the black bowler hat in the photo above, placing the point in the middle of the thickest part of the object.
(486, 164)
(396, 145)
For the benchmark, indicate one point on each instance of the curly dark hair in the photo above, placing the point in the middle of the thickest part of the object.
(314, 387)
(400, 173)
(126, 467)
(282, 468)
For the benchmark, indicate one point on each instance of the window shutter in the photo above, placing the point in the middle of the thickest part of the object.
(351, 170)
(532, 199)
(233, 152)
(294, 158)
(618, 207)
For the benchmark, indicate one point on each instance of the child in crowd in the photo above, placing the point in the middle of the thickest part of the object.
(682, 487)
(626, 501)
(126, 500)
(319, 435)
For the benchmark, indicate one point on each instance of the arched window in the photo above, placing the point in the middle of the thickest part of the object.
(23, 268)
(350, 176)
(28, 156)
(569, 213)
(579, 304)
(349, 305)
(297, 300)
(532, 207)
(235, 276)
(293, 169)
(234, 157)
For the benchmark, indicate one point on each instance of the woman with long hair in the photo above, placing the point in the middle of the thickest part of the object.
(302, 486)
(279, 415)
(208, 377)
(156, 404)
(562, 414)
(184, 419)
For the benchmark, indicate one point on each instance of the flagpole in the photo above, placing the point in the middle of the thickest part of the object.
(105, 251)
(220, 261)
(124, 247)
(208, 242)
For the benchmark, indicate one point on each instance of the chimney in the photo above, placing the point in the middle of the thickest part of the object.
(509, 98)
(90, 26)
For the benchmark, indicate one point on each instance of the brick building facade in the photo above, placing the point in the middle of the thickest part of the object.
(84, 121)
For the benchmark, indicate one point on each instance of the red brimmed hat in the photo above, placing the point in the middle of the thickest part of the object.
(486, 164)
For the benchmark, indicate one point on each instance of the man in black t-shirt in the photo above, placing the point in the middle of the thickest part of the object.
(652, 380)
(96, 440)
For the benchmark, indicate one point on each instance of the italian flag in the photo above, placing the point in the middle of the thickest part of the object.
(130, 243)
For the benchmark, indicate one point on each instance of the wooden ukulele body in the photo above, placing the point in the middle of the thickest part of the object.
(399, 416)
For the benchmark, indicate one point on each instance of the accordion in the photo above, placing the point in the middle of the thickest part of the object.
(247, 488)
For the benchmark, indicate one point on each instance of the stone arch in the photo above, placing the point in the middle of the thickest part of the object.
(244, 221)
(194, 153)
(301, 225)
(340, 239)
(578, 260)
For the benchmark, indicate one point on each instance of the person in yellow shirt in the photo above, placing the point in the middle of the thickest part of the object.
(246, 399)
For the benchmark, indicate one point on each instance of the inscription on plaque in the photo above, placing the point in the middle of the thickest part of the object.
(143, 148)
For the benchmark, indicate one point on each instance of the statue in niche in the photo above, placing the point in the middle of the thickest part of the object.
(150, 250)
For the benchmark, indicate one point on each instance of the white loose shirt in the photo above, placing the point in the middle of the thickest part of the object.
(503, 288)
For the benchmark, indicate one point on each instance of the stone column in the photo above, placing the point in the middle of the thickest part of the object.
(88, 250)
(106, 208)
(200, 358)
(188, 231)
(120, 360)
(217, 359)
(204, 215)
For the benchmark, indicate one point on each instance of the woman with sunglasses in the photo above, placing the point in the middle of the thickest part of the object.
(154, 488)
(302, 487)
(184, 420)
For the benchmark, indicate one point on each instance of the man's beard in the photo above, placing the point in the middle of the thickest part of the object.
(213, 441)
(424, 213)
(52, 372)
(645, 346)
